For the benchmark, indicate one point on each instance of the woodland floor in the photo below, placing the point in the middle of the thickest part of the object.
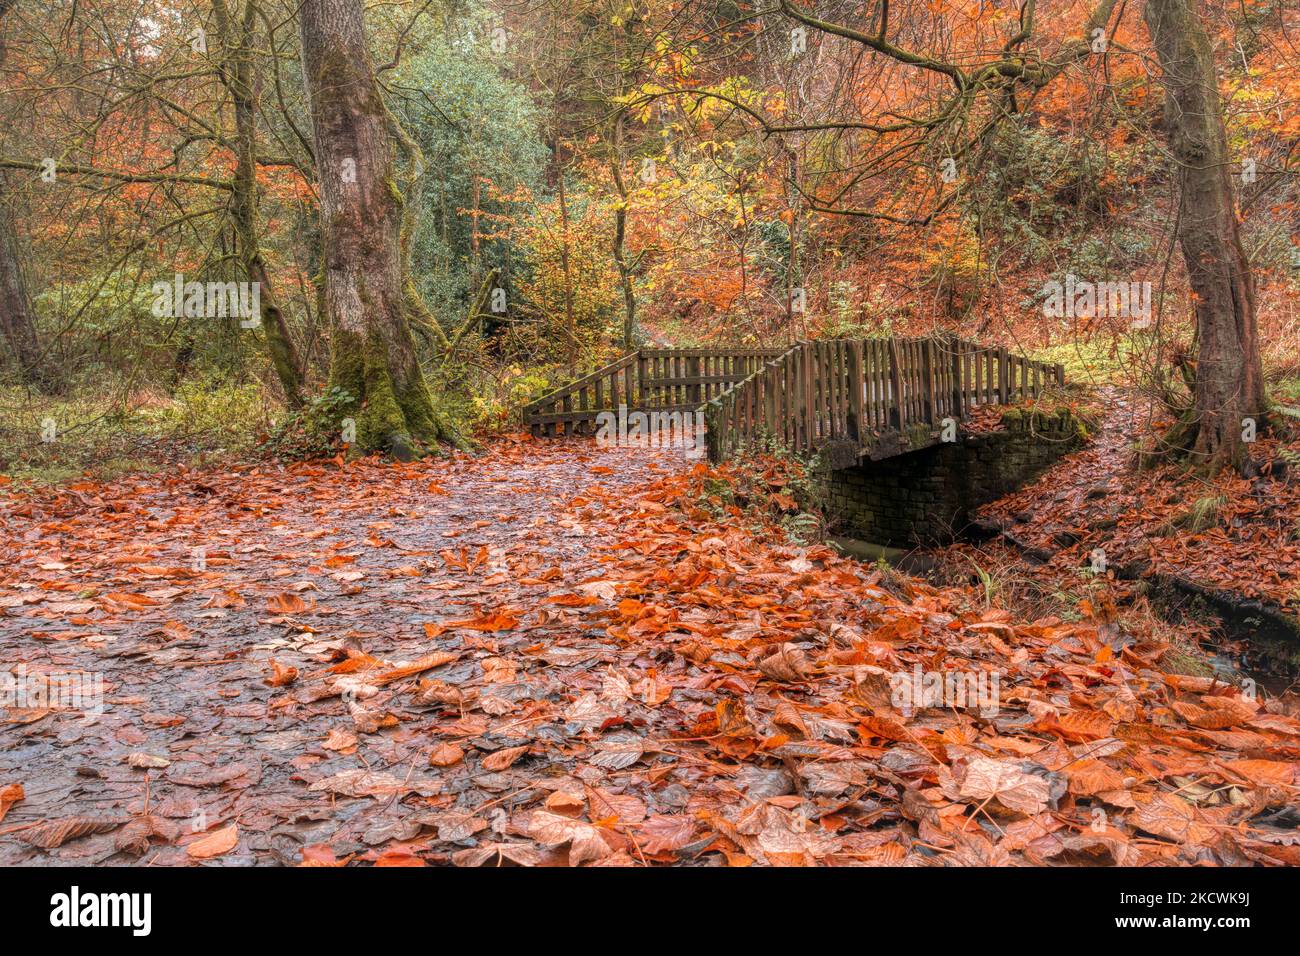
(1094, 500)
(556, 653)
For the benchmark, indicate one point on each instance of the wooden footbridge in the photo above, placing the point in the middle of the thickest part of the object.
(850, 399)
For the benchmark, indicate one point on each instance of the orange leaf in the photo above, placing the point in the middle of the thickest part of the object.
(286, 604)
(9, 796)
(215, 843)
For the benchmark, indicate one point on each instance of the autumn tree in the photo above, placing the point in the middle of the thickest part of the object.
(948, 98)
(17, 317)
(1228, 380)
(237, 70)
(370, 299)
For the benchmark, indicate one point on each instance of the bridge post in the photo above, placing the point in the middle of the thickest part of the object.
(803, 384)
(895, 386)
(958, 387)
(857, 389)
(927, 373)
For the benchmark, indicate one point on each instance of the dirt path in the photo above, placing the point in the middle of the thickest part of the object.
(555, 653)
(183, 593)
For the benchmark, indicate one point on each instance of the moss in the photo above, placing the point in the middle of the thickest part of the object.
(1013, 419)
(360, 367)
(399, 420)
(1191, 662)
(917, 435)
(395, 193)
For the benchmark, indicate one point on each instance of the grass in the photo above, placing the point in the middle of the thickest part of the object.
(1100, 360)
(52, 439)
(1287, 390)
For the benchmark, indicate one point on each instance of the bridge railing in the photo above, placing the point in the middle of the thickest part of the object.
(663, 380)
(855, 390)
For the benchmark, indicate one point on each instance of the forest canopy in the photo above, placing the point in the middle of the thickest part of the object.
(573, 180)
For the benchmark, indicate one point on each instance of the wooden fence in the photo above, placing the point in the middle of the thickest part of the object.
(665, 380)
(855, 390)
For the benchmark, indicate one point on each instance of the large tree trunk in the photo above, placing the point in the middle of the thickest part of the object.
(372, 352)
(1229, 381)
(237, 74)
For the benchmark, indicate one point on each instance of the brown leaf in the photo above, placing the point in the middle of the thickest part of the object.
(436, 659)
(1022, 786)
(503, 758)
(1088, 777)
(215, 843)
(618, 751)
(341, 741)
(9, 795)
(144, 761)
(281, 675)
(789, 664)
(286, 603)
(1167, 816)
(135, 837)
(446, 755)
(498, 854)
(1275, 773)
(620, 808)
(585, 841)
(665, 833)
(47, 836)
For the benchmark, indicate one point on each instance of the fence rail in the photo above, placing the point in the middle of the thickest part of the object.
(859, 394)
(854, 391)
(648, 379)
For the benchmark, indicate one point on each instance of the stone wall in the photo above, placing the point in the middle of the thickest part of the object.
(927, 496)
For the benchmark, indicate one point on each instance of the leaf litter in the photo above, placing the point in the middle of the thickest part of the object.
(599, 670)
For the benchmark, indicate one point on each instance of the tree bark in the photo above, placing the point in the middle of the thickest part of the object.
(620, 234)
(372, 351)
(1229, 380)
(237, 75)
(17, 317)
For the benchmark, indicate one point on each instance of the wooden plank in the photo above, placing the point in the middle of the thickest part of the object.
(839, 394)
(810, 392)
(898, 412)
(956, 381)
(927, 377)
(857, 394)
(880, 362)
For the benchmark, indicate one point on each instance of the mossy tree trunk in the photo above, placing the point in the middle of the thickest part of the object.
(1229, 386)
(367, 300)
(237, 66)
